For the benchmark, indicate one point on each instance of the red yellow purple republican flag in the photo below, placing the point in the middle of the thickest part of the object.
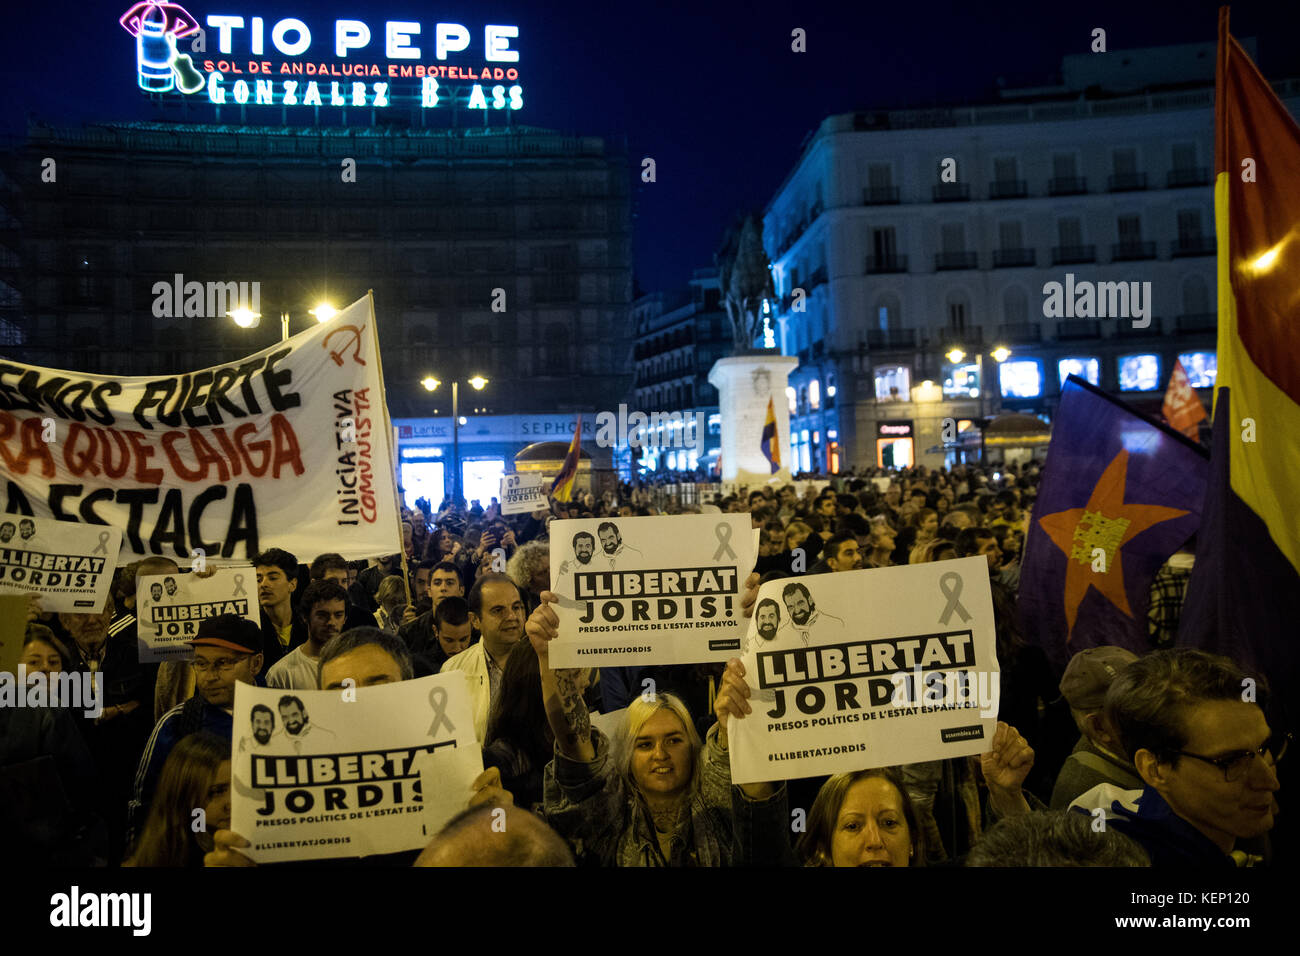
(562, 486)
(769, 444)
(1182, 407)
(1248, 555)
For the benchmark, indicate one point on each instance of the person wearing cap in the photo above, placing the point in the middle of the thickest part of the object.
(227, 650)
(1098, 757)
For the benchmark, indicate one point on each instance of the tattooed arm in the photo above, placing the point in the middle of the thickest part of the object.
(561, 689)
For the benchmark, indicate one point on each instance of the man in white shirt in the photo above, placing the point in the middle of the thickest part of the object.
(496, 610)
(325, 608)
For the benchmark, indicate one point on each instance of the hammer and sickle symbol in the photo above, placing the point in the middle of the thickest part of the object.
(354, 341)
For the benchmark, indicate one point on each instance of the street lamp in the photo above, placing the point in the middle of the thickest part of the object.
(324, 312)
(247, 319)
(477, 382)
(999, 354)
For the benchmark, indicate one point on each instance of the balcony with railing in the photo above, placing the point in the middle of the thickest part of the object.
(1126, 329)
(948, 261)
(1067, 185)
(1192, 246)
(1191, 176)
(880, 265)
(1132, 251)
(1078, 329)
(883, 339)
(880, 196)
(1020, 332)
(1013, 258)
(1008, 189)
(951, 192)
(1126, 182)
(1069, 255)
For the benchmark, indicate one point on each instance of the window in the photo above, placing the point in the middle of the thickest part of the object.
(1196, 296)
(1201, 367)
(1064, 166)
(1015, 305)
(1070, 231)
(815, 395)
(1189, 225)
(1088, 369)
(803, 398)
(1130, 230)
(953, 237)
(958, 310)
(1011, 235)
(1184, 155)
(887, 312)
(791, 399)
(893, 383)
(1021, 378)
(964, 381)
(1004, 170)
(1139, 373)
(1125, 161)
(880, 176)
(884, 243)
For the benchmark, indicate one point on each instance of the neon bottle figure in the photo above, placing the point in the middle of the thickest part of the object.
(154, 52)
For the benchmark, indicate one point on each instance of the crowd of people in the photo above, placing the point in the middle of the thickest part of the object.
(1162, 746)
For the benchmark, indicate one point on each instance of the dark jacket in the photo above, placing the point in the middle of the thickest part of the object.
(49, 794)
(165, 736)
(1168, 839)
(592, 806)
(272, 649)
(427, 654)
(1085, 768)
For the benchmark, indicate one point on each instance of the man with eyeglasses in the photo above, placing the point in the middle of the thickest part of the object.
(1204, 750)
(227, 650)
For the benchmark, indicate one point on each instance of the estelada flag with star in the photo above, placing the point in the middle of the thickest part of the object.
(1240, 599)
(1120, 493)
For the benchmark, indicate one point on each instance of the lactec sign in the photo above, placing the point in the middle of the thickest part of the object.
(349, 63)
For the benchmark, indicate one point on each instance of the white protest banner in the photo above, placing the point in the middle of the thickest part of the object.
(69, 565)
(170, 607)
(860, 669)
(661, 590)
(291, 443)
(523, 494)
(321, 774)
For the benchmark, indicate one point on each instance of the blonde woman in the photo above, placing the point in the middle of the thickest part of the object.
(391, 598)
(657, 795)
(196, 776)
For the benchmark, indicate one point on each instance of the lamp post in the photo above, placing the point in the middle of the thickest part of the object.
(477, 382)
(999, 354)
(248, 319)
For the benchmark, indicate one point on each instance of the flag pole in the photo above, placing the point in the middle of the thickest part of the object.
(392, 450)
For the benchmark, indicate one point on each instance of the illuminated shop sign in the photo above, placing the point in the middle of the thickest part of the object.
(894, 429)
(256, 61)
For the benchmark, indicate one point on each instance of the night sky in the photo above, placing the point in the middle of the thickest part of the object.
(711, 91)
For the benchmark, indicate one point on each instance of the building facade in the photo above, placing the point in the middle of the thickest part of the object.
(679, 336)
(913, 254)
(500, 252)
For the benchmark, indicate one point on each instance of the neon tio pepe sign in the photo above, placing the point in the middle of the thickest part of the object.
(344, 64)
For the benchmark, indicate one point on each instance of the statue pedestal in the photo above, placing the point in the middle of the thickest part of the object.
(745, 384)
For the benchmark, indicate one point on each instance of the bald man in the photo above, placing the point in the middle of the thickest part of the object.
(488, 835)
